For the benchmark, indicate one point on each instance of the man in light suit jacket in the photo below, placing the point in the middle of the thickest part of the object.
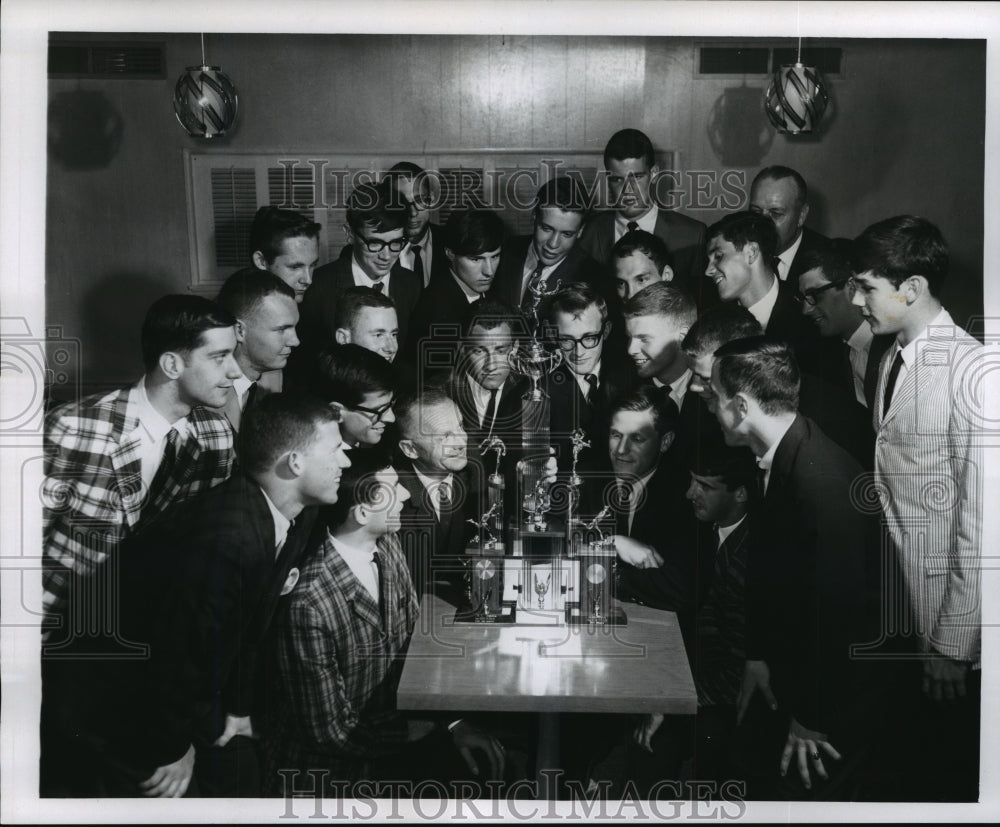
(631, 168)
(927, 425)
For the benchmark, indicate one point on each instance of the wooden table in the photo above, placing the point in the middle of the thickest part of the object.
(641, 667)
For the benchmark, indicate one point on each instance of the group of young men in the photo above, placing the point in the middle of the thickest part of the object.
(236, 546)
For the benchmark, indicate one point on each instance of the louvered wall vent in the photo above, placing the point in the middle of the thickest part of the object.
(107, 60)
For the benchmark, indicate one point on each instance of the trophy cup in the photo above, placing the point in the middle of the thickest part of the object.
(486, 570)
(597, 583)
(533, 360)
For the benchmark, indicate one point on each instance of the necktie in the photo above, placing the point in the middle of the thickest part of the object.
(890, 384)
(165, 468)
(491, 412)
(379, 287)
(624, 507)
(418, 263)
(444, 500)
(591, 388)
(848, 365)
(632, 226)
(533, 282)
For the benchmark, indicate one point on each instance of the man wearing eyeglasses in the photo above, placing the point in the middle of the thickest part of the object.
(590, 377)
(362, 383)
(826, 296)
(374, 229)
(424, 251)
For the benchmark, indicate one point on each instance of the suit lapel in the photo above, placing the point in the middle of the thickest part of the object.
(125, 457)
(232, 410)
(363, 606)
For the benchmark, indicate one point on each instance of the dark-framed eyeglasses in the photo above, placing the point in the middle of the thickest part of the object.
(588, 341)
(808, 297)
(377, 245)
(376, 414)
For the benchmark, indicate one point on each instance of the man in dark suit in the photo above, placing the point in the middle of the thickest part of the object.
(266, 314)
(423, 254)
(472, 242)
(591, 375)
(809, 597)
(631, 169)
(551, 252)
(741, 253)
(286, 244)
(781, 194)
(375, 230)
(841, 417)
(198, 591)
(854, 353)
(433, 469)
(363, 384)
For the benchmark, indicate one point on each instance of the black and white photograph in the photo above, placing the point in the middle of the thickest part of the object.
(529, 411)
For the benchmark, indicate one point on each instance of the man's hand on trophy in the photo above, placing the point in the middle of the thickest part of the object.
(637, 554)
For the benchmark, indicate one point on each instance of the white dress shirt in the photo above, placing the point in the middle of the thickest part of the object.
(646, 222)
(860, 345)
(786, 258)
(470, 294)
(432, 486)
(481, 398)
(767, 460)
(152, 431)
(763, 309)
(361, 563)
(426, 254)
(581, 379)
(281, 524)
(723, 531)
(361, 278)
(678, 388)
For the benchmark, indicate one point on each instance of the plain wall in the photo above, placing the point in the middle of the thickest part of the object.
(905, 133)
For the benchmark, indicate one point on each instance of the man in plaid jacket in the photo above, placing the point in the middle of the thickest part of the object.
(340, 649)
(114, 462)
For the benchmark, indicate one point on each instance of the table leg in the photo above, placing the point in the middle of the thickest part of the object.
(547, 759)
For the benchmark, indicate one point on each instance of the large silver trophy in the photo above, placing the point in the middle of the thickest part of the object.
(532, 359)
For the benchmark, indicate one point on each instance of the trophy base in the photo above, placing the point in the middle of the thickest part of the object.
(616, 617)
(507, 616)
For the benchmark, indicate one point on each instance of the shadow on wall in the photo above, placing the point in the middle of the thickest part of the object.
(112, 314)
(85, 130)
(738, 130)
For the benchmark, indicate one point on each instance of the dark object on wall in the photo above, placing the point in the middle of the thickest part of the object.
(107, 60)
(85, 129)
(738, 134)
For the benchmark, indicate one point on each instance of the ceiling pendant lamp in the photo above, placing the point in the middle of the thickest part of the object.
(796, 98)
(205, 100)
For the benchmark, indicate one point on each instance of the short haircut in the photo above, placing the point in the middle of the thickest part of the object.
(662, 299)
(489, 314)
(651, 246)
(272, 226)
(574, 300)
(777, 173)
(245, 289)
(834, 257)
(739, 228)
(473, 232)
(719, 325)
(278, 423)
(903, 246)
(648, 397)
(405, 169)
(764, 370)
(564, 193)
(358, 485)
(353, 300)
(409, 408)
(374, 208)
(176, 323)
(347, 372)
(735, 465)
(629, 143)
